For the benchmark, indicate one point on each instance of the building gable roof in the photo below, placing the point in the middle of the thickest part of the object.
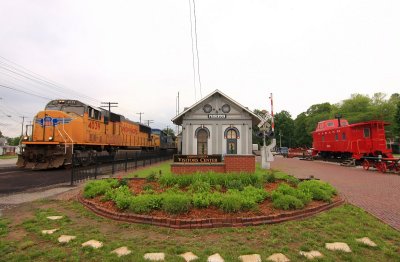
(178, 119)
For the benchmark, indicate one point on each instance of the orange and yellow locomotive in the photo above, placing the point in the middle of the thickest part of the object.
(67, 127)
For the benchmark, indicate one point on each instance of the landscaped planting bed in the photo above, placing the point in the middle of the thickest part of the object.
(210, 199)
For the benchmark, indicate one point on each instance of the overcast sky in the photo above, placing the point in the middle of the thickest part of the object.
(139, 53)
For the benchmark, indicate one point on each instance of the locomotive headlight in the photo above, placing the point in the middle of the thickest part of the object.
(51, 138)
(26, 138)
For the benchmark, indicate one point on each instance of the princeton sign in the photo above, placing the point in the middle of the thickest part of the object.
(192, 159)
(216, 116)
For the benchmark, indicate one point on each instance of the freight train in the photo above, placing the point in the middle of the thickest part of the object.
(67, 127)
(336, 138)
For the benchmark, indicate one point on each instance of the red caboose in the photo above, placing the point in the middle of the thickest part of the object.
(336, 138)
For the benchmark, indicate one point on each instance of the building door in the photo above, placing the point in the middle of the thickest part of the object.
(202, 142)
(231, 142)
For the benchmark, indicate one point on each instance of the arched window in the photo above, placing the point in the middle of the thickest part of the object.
(202, 141)
(231, 135)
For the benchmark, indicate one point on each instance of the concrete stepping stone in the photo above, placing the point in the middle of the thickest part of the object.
(154, 256)
(93, 243)
(65, 238)
(311, 255)
(250, 258)
(189, 256)
(338, 246)
(49, 231)
(366, 241)
(121, 251)
(54, 217)
(278, 257)
(215, 258)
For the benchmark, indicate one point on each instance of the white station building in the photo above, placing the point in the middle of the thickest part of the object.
(216, 124)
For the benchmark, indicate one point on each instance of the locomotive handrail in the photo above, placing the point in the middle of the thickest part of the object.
(65, 141)
(72, 141)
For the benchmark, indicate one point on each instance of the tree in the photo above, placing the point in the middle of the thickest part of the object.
(284, 128)
(1, 134)
(169, 131)
(13, 141)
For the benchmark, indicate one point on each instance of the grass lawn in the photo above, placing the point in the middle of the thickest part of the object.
(7, 157)
(21, 238)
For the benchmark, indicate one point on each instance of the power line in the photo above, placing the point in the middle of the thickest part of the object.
(140, 117)
(109, 105)
(15, 89)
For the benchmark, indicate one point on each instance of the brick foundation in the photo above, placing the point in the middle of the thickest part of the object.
(231, 164)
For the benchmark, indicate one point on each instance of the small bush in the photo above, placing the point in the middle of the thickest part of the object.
(269, 178)
(200, 186)
(145, 203)
(98, 187)
(318, 190)
(122, 197)
(202, 200)
(147, 187)
(123, 182)
(286, 202)
(235, 184)
(152, 177)
(257, 195)
(231, 203)
(284, 189)
(218, 188)
(176, 203)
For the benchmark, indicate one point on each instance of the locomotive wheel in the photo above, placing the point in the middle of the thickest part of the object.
(381, 167)
(365, 164)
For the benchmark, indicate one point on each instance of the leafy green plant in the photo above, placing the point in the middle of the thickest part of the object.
(318, 190)
(231, 203)
(202, 200)
(145, 203)
(173, 203)
(200, 186)
(152, 177)
(123, 181)
(235, 184)
(286, 202)
(269, 178)
(122, 196)
(147, 187)
(99, 187)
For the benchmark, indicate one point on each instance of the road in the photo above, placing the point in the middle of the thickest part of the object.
(375, 192)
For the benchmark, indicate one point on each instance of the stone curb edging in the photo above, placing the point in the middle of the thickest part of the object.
(207, 222)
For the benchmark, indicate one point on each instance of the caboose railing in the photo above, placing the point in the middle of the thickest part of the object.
(72, 141)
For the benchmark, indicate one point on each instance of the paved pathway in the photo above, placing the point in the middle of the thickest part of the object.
(377, 193)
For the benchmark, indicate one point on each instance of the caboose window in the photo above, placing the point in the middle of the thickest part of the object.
(323, 138)
(366, 132)
(336, 137)
(329, 124)
(343, 136)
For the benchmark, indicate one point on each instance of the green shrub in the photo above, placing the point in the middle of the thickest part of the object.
(269, 178)
(257, 195)
(231, 203)
(286, 202)
(123, 181)
(147, 187)
(200, 186)
(218, 188)
(235, 184)
(202, 200)
(152, 177)
(122, 196)
(318, 190)
(173, 203)
(98, 187)
(289, 179)
(145, 203)
(284, 189)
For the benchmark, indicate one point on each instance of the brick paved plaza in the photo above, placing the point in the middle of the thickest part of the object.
(377, 193)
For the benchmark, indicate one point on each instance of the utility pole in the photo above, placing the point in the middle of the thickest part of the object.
(109, 105)
(149, 122)
(140, 117)
(280, 138)
(177, 113)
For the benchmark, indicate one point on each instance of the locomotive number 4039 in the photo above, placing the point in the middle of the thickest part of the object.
(94, 125)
